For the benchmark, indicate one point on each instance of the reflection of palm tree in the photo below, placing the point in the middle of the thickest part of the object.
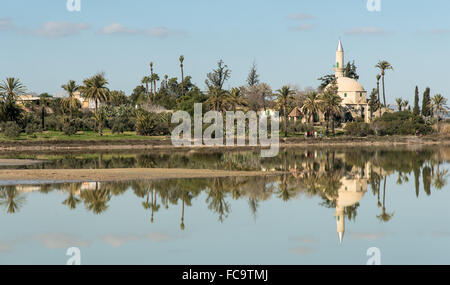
(385, 217)
(216, 199)
(154, 206)
(96, 200)
(285, 191)
(440, 179)
(11, 199)
(72, 201)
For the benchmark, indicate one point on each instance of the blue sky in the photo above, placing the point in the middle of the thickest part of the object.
(292, 42)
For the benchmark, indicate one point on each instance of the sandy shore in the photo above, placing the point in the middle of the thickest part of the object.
(18, 162)
(106, 175)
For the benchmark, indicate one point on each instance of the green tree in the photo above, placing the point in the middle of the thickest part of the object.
(10, 90)
(416, 109)
(253, 76)
(399, 102)
(44, 101)
(95, 88)
(439, 106)
(146, 80)
(384, 66)
(374, 103)
(350, 71)
(236, 99)
(284, 99)
(331, 104)
(426, 103)
(311, 105)
(182, 73)
(71, 102)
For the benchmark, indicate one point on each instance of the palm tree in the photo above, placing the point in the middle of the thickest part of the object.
(182, 73)
(154, 78)
(383, 66)
(331, 104)
(218, 99)
(284, 98)
(95, 89)
(311, 105)
(146, 80)
(439, 105)
(405, 104)
(71, 102)
(237, 99)
(399, 102)
(44, 100)
(151, 75)
(100, 119)
(11, 88)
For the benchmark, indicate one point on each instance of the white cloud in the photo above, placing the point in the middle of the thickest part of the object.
(368, 236)
(302, 28)
(300, 17)
(117, 241)
(60, 29)
(6, 24)
(365, 31)
(116, 28)
(60, 240)
(159, 32)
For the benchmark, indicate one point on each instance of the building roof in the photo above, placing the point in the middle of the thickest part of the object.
(296, 113)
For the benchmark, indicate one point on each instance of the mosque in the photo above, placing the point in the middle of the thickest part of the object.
(353, 94)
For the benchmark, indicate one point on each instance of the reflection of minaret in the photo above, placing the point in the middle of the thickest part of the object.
(350, 193)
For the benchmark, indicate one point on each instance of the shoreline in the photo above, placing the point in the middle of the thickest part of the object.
(166, 144)
(9, 177)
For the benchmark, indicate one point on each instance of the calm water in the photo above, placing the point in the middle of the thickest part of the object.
(331, 207)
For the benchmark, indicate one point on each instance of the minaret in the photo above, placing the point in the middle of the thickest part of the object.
(339, 68)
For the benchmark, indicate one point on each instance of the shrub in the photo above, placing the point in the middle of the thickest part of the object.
(32, 128)
(151, 124)
(70, 128)
(359, 129)
(401, 123)
(11, 130)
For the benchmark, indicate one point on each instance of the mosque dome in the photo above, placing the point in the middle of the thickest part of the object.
(346, 84)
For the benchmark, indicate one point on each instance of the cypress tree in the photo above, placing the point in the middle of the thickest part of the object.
(416, 102)
(426, 110)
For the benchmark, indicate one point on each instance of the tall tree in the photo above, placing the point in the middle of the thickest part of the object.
(426, 103)
(236, 99)
(151, 75)
(311, 105)
(331, 104)
(399, 102)
(70, 102)
(182, 73)
(284, 98)
(253, 76)
(384, 66)
(10, 90)
(44, 101)
(95, 88)
(439, 105)
(416, 109)
(374, 102)
(154, 78)
(350, 70)
(146, 80)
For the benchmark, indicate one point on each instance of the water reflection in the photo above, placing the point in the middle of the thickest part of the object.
(339, 178)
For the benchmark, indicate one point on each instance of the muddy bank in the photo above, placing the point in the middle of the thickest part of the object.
(18, 162)
(166, 144)
(109, 175)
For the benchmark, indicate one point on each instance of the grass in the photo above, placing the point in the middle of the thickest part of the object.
(80, 136)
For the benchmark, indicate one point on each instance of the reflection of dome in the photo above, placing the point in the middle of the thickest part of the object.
(348, 198)
(346, 84)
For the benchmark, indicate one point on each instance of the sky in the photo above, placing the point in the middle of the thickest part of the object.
(291, 41)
